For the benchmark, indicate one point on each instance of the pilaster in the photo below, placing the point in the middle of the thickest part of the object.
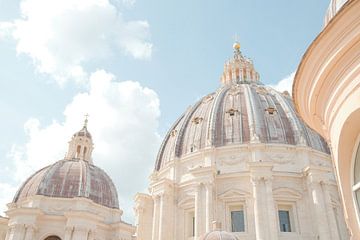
(314, 179)
(155, 229)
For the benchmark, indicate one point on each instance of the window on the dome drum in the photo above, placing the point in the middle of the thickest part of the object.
(237, 221)
(356, 184)
(190, 223)
(284, 221)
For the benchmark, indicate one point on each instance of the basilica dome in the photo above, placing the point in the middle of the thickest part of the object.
(74, 176)
(241, 111)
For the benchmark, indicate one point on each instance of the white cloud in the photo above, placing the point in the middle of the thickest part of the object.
(129, 3)
(285, 84)
(61, 36)
(123, 122)
(8, 191)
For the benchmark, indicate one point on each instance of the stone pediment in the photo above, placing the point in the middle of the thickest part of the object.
(286, 194)
(234, 194)
(187, 201)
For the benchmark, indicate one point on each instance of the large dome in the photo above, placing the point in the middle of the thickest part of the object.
(241, 111)
(69, 179)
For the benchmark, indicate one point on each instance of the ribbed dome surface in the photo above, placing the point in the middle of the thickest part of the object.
(68, 179)
(238, 114)
(219, 235)
(334, 7)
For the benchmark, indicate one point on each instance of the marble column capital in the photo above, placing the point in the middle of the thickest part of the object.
(156, 197)
(255, 180)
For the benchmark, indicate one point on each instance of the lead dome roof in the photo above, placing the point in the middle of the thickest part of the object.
(241, 111)
(69, 179)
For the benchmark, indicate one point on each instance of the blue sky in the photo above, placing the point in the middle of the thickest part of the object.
(172, 51)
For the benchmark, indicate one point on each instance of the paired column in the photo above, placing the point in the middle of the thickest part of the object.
(273, 227)
(198, 211)
(319, 209)
(30, 230)
(330, 212)
(68, 233)
(155, 230)
(209, 207)
(266, 227)
(81, 233)
(144, 210)
(166, 230)
(16, 232)
(260, 220)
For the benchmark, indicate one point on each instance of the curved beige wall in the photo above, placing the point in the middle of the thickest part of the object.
(326, 93)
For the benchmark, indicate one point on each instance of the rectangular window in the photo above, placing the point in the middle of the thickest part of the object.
(237, 221)
(284, 220)
(189, 224)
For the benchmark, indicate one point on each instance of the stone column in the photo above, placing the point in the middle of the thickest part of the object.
(335, 234)
(91, 235)
(80, 233)
(319, 210)
(249, 224)
(166, 217)
(68, 233)
(209, 207)
(16, 232)
(273, 227)
(198, 211)
(144, 205)
(30, 230)
(260, 222)
(155, 230)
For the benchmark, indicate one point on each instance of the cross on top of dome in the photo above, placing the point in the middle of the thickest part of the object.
(239, 69)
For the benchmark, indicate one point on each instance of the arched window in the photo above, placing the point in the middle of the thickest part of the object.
(356, 184)
(78, 149)
(85, 151)
(52, 238)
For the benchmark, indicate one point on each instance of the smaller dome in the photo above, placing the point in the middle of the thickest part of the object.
(69, 179)
(219, 235)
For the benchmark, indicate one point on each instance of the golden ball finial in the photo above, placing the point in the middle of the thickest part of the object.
(236, 45)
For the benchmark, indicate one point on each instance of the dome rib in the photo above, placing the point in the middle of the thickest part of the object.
(181, 138)
(217, 113)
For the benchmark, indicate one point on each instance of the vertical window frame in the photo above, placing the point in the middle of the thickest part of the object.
(234, 206)
(355, 186)
(287, 206)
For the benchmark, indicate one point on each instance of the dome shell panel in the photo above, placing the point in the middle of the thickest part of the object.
(238, 114)
(68, 179)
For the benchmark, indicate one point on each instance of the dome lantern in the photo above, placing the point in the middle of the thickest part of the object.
(81, 144)
(239, 69)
